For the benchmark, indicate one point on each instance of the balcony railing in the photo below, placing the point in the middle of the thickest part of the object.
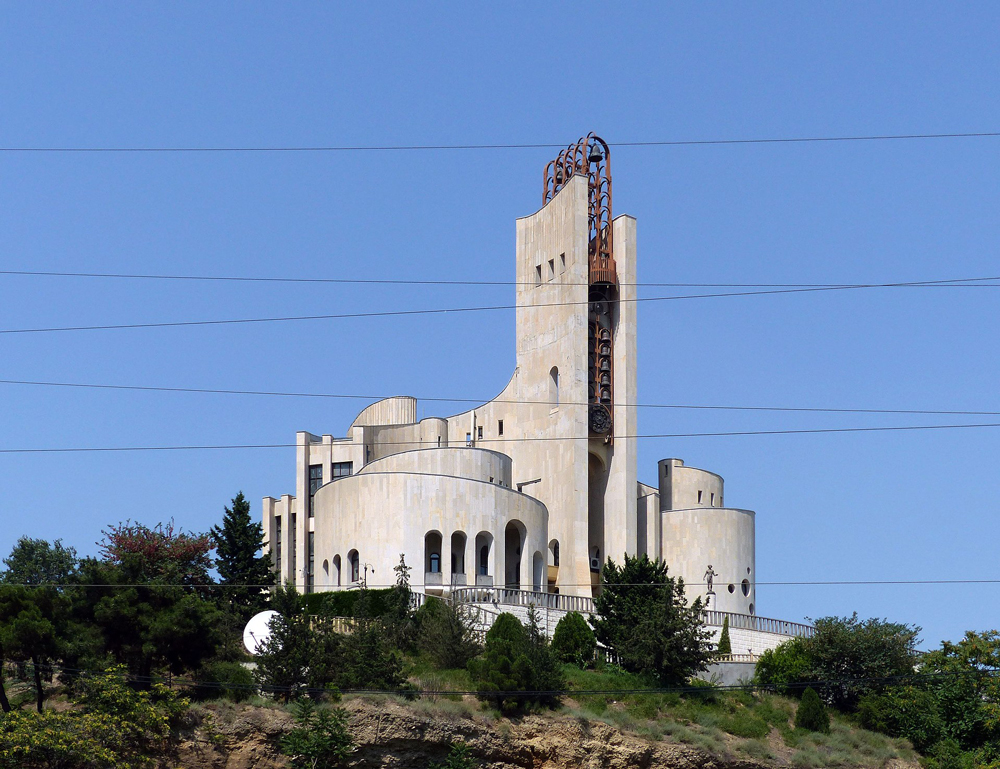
(585, 605)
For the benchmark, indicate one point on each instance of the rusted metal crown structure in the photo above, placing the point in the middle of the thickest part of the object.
(592, 157)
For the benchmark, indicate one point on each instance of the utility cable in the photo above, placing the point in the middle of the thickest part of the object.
(488, 401)
(451, 310)
(414, 692)
(542, 596)
(524, 146)
(951, 283)
(490, 441)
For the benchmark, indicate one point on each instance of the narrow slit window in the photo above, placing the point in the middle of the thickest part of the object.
(699, 496)
(479, 432)
(712, 499)
(552, 268)
(538, 275)
(562, 263)
(499, 427)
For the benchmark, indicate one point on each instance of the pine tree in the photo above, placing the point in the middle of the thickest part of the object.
(812, 714)
(725, 645)
(238, 542)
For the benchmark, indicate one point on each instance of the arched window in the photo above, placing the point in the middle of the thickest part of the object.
(432, 552)
(554, 552)
(484, 559)
(554, 386)
(336, 567)
(355, 563)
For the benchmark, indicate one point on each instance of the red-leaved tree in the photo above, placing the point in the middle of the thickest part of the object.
(156, 553)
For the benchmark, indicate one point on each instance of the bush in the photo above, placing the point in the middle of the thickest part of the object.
(812, 714)
(230, 680)
(782, 668)
(459, 757)
(856, 657)
(117, 728)
(515, 666)
(725, 647)
(903, 711)
(320, 739)
(446, 635)
(573, 641)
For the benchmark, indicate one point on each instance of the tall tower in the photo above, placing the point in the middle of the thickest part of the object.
(576, 352)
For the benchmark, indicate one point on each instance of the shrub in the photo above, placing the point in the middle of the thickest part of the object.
(230, 680)
(812, 714)
(782, 668)
(573, 640)
(117, 728)
(514, 666)
(903, 711)
(320, 739)
(446, 635)
(855, 657)
(459, 757)
(725, 647)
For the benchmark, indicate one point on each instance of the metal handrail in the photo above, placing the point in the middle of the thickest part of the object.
(585, 605)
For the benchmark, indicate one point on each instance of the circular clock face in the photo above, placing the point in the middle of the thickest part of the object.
(600, 420)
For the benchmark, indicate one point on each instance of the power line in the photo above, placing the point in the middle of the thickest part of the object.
(490, 441)
(489, 401)
(458, 310)
(414, 692)
(951, 283)
(524, 146)
(370, 586)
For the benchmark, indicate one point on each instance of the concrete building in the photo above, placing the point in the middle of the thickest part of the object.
(530, 493)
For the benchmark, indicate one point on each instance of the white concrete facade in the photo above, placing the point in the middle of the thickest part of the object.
(519, 492)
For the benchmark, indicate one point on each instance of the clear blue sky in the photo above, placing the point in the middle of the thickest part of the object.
(896, 506)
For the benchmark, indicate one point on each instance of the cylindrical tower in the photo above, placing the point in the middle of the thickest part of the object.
(710, 546)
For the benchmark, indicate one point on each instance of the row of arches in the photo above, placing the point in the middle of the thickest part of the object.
(483, 558)
(353, 567)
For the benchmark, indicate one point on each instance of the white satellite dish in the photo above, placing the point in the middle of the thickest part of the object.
(258, 630)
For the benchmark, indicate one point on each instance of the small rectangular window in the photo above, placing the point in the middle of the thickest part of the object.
(699, 496)
(499, 427)
(479, 432)
(712, 499)
(468, 439)
(342, 469)
(538, 275)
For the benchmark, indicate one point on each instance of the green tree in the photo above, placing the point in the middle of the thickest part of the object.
(574, 641)
(725, 647)
(782, 668)
(243, 570)
(513, 670)
(117, 614)
(967, 690)
(643, 617)
(447, 634)
(320, 738)
(283, 661)
(27, 633)
(904, 711)
(857, 657)
(36, 562)
(812, 714)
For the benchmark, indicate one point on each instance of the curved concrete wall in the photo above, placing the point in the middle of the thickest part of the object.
(695, 538)
(470, 463)
(398, 410)
(383, 514)
(683, 487)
